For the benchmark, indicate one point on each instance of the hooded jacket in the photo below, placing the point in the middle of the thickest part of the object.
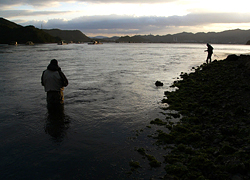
(53, 78)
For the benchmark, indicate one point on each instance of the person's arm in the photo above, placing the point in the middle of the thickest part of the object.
(64, 79)
(42, 79)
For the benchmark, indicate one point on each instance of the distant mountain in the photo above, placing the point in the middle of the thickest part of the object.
(134, 39)
(8, 24)
(236, 36)
(13, 32)
(106, 39)
(114, 38)
(68, 35)
(99, 37)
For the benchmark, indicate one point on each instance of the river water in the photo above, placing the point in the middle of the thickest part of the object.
(110, 99)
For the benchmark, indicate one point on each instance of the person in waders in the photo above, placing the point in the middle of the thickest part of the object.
(54, 81)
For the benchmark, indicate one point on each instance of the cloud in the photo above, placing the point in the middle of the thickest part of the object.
(170, 17)
(37, 3)
(138, 25)
(207, 18)
(23, 13)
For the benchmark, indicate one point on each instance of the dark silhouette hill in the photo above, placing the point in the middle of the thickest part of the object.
(236, 36)
(13, 32)
(68, 35)
(9, 24)
(134, 39)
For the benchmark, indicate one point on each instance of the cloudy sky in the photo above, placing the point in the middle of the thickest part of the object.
(129, 17)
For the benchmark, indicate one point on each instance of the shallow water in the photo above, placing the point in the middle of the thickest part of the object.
(111, 96)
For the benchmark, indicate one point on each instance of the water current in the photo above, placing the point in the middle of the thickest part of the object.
(110, 99)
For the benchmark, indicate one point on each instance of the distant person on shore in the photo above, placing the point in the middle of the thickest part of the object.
(209, 52)
(54, 82)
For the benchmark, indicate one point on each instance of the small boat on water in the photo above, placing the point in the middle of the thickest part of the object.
(13, 43)
(62, 43)
(29, 43)
(94, 43)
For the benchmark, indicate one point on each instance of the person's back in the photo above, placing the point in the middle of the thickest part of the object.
(54, 82)
(210, 49)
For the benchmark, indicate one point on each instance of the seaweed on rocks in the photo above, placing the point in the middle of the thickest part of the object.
(212, 138)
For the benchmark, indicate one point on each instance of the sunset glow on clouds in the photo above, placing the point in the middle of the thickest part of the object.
(129, 17)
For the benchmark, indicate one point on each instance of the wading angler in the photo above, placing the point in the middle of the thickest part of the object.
(54, 81)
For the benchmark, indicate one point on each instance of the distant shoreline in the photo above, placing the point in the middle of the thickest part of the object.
(129, 43)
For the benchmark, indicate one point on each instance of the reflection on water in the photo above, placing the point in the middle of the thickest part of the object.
(57, 122)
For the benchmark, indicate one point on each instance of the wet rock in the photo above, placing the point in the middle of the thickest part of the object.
(211, 140)
(232, 57)
(236, 177)
(158, 83)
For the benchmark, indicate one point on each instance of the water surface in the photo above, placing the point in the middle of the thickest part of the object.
(110, 98)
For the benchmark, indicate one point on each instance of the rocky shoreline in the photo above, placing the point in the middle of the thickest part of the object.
(212, 138)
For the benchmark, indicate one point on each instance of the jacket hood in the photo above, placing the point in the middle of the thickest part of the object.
(53, 66)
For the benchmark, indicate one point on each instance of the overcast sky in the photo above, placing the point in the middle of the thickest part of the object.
(129, 17)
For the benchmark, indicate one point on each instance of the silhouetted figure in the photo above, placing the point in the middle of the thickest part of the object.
(209, 52)
(54, 82)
